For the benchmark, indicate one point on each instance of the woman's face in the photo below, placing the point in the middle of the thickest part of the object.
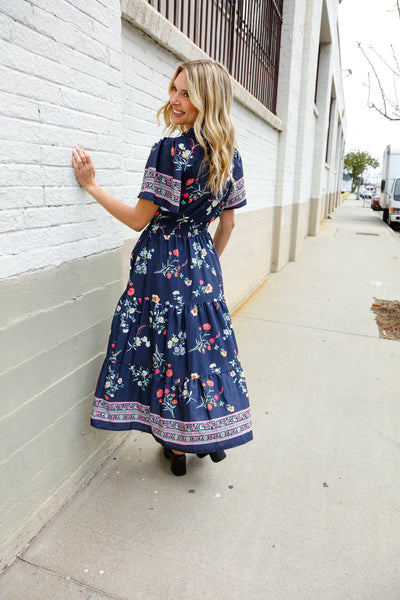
(183, 112)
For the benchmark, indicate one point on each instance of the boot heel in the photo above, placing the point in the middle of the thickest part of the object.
(217, 456)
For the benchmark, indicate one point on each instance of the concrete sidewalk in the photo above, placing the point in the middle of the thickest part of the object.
(310, 509)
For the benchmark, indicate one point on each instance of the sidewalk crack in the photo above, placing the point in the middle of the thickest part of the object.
(85, 586)
(326, 329)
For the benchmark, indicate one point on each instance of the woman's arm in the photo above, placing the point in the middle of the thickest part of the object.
(135, 217)
(224, 230)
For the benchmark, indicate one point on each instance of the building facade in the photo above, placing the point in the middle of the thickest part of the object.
(94, 74)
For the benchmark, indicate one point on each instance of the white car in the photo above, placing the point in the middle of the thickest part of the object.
(366, 194)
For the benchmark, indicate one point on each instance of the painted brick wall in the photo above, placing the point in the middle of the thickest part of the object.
(59, 87)
(258, 144)
(146, 71)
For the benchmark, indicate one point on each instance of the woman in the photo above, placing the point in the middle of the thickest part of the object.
(172, 367)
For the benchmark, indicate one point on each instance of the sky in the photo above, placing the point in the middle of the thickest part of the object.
(371, 22)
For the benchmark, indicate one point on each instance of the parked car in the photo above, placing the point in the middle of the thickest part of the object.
(366, 194)
(376, 202)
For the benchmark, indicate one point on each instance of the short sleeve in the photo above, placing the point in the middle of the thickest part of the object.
(236, 197)
(162, 176)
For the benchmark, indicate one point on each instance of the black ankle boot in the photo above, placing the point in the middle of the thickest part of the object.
(215, 456)
(178, 462)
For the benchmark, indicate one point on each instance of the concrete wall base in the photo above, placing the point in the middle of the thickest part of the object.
(314, 216)
(291, 226)
(55, 325)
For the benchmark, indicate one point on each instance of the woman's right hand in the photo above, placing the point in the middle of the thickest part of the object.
(83, 167)
(136, 217)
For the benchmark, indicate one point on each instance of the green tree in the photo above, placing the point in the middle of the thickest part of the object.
(355, 165)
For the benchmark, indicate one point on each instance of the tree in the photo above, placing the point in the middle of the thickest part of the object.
(384, 80)
(355, 165)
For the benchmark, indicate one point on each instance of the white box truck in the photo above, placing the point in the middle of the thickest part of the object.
(390, 186)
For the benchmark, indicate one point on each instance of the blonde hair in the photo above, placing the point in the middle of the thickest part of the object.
(210, 91)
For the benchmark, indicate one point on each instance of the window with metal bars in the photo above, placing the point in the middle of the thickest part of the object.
(244, 35)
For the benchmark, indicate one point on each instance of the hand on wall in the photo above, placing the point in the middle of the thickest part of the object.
(83, 167)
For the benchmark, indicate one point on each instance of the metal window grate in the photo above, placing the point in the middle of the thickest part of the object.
(244, 35)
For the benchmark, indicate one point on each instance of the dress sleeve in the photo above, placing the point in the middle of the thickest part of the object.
(162, 176)
(236, 195)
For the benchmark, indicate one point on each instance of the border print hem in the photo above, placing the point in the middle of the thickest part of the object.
(133, 415)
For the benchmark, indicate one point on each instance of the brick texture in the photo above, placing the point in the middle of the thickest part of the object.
(72, 74)
(60, 86)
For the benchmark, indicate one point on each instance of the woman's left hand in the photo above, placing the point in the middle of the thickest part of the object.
(83, 167)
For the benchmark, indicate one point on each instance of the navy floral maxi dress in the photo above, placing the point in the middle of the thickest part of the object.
(172, 367)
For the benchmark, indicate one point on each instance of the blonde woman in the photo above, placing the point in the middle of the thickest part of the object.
(172, 367)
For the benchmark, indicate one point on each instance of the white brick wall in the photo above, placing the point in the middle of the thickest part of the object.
(59, 87)
(258, 145)
(146, 70)
(71, 74)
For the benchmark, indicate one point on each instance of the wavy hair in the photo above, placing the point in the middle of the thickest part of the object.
(210, 91)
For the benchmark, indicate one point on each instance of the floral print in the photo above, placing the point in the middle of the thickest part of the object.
(183, 154)
(128, 310)
(141, 376)
(204, 341)
(172, 367)
(177, 343)
(113, 382)
(141, 261)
